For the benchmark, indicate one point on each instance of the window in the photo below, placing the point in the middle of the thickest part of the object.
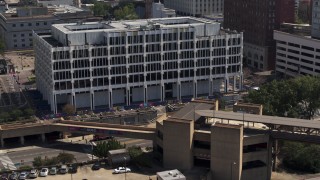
(13, 25)
(23, 45)
(30, 34)
(29, 24)
(44, 23)
(21, 25)
(22, 40)
(14, 35)
(37, 24)
(15, 40)
(15, 45)
(22, 35)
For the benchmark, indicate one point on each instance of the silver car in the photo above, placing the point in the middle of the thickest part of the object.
(23, 175)
(34, 173)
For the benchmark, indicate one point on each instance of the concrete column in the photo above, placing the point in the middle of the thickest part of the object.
(22, 140)
(2, 142)
(163, 93)
(234, 83)
(128, 97)
(110, 99)
(145, 98)
(179, 90)
(274, 154)
(92, 101)
(43, 137)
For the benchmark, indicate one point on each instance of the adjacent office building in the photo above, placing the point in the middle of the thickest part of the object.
(257, 24)
(298, 49)
(159, 11)
(125, 62)
(315, 32)
(196, 8)
(18, 23)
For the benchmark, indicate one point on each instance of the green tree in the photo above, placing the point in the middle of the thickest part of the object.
(4, 116)
(37, 161)
(69, 109)
(302, 157)
(65, 158)
(29, 112)
(297, 98)
(102, 148)
(100, 9)
(25, 168)
(16, 113)
(2, 46)
(126, 12)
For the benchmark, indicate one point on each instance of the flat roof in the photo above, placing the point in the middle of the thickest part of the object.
(171, 174)
(187, 112)
(260, 119)
(174, 22)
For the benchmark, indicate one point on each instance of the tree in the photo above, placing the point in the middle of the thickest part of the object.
(69, 109)
(65, 158)
(16, 113)
(102, 148)
(302, 157)
(126, 12)
(29, 112)
(297, 98)
(4, 116)
(37, 161)
(100, 8)
(2, 46)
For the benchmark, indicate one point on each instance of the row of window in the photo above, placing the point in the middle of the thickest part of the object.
(30, 24)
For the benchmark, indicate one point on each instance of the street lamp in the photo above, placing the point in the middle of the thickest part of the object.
(125, 166)
(232, 164)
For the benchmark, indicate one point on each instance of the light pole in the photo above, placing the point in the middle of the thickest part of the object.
(232, 164)
(125, 168)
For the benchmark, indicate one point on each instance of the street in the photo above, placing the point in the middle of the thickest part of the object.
(81, 149)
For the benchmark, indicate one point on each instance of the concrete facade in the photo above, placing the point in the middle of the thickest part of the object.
(195, 7)
(159, 11)
(297, 55)
(315, 32)
(121, 63)
(17, 24)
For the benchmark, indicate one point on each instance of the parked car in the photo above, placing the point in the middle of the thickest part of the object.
(14, 176)
(73, 168)
(53, 171)
(96, 166)
(63, 169)
(33, 173)
(120, 170)
(44, 172)
(23, 175)
(4, 176)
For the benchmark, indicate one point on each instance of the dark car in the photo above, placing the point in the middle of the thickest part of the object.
(14, 176)
(96, 166)
(4, 176)
(73, 168)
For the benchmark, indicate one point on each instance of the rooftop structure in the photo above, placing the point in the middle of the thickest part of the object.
(170, 175)
(18, 23)
(127, 62)
(159, 11)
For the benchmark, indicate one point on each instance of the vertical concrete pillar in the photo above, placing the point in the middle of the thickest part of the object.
(128, 96)
(2, 142)
(110, 99)
(227, 151)
(92, 100)
(234, 83)
(145, 93)
(163, 92)
(274, 155)
(179, 90)
(22, 140)
(43, 137)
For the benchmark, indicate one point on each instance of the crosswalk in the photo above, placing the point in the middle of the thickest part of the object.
(7, 162)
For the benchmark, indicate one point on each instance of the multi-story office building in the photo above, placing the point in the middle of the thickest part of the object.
(257, 23)
(297, 53)
(108, 63)
(315, 32)
(159, 11)
(18, 23)
(195, 7)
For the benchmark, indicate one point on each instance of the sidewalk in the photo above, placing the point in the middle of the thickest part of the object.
(77, 140)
